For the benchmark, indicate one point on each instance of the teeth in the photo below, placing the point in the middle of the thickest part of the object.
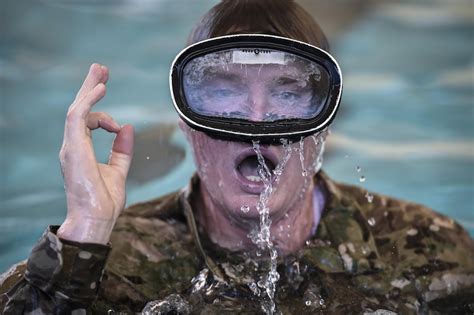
(253, 178)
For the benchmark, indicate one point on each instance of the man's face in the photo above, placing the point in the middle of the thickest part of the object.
(229, 169)
(229, 173)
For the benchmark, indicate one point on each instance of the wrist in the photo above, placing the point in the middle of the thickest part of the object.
(86, 230)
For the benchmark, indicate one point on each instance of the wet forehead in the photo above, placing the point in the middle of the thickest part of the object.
(240, 73)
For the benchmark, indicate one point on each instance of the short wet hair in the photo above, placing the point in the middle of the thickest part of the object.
(275, 17)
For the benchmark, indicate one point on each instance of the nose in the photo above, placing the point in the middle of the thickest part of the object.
(258, 102)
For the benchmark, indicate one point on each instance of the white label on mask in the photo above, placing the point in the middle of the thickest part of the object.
(258, 56)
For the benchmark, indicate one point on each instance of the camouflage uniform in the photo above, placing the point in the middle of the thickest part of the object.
(372, 258)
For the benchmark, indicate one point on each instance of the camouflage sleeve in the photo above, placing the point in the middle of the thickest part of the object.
(61, 276)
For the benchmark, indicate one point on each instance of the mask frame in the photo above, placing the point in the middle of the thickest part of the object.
(245, 130)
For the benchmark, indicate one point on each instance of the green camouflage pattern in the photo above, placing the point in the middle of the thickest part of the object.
(59, 277)
(387, 256)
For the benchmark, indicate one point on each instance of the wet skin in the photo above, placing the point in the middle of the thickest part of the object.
(224, 191)
(95, 192)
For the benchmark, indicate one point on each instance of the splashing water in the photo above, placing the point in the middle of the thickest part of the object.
(318, 161)
(362, 179)
(301, 151)
(266, 285)
(304, 172)
(262, 238)
(279, 168)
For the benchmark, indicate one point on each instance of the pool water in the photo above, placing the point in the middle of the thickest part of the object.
(406, 118)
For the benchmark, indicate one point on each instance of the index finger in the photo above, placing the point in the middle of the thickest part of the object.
(97, 74)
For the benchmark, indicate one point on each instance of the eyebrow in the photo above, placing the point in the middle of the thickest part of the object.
(285, 80)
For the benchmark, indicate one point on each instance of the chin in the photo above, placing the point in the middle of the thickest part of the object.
(237, 208)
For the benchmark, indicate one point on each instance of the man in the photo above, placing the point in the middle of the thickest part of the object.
(259, 228)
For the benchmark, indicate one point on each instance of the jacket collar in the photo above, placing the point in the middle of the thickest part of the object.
(343, 232)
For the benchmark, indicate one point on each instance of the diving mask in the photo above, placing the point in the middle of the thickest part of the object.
(255, 87)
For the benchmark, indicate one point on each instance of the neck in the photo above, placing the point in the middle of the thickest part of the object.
(289, 231)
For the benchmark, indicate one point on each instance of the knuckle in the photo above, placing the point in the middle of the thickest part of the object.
(71, 115)
(62, 156)
(103, 115)
(95, 94)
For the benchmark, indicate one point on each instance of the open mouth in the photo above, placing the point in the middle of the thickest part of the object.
(247, 166)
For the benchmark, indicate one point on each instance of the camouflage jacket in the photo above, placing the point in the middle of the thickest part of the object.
(373, 258)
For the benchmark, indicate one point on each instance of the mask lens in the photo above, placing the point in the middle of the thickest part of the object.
(255, 84)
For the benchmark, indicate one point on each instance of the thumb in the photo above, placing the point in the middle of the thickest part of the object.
(122, 150)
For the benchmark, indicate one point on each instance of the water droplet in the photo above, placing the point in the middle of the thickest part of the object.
(369, 197)
(308, 303)
(308, 242)
(321, 302)
(371, 221)
(358, 169)
(362, 179)
(245, 209)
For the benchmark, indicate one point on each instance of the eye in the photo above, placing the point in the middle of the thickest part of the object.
(287, 96)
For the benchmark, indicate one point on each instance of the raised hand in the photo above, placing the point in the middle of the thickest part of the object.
(95, 192)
